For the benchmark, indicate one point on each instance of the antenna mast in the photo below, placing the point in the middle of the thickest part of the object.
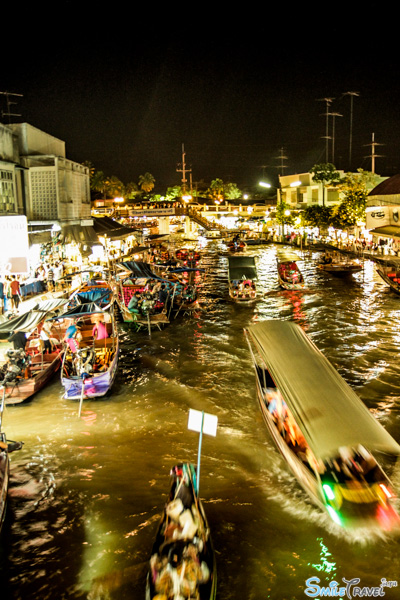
(9, 114)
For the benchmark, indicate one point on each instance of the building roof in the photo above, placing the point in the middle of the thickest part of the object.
(388, 187)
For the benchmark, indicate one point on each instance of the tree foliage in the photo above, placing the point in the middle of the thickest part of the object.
(147, 182)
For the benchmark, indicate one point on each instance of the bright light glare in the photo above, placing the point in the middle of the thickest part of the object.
(264, 184)
(333, 515)
(387, 492)
(328, 492)
(295, 184)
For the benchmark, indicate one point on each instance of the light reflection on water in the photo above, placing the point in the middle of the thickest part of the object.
(86, 494)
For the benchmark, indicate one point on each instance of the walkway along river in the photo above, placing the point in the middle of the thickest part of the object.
(86, 494)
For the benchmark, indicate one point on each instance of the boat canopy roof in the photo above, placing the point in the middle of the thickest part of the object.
(327, 410)
(242, 267)
(140, 270)
(31, 319)
(287, 256)
(81, 310)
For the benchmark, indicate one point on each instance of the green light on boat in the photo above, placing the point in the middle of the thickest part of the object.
(329, 493)
(333, 515)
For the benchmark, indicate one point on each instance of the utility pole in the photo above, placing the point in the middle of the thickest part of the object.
(281, 158)
(373, 155)
(328, 102)
(9, 114)
(352, 95)
(183, 169)
(333, 115)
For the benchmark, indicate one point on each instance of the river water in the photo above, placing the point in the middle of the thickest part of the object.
(86, 494)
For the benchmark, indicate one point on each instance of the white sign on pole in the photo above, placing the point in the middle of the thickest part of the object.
(209, 425)
(14, 244)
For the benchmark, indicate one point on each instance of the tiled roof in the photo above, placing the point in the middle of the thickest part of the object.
(389, 187)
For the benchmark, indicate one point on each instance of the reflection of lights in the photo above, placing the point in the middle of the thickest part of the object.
(325, 564)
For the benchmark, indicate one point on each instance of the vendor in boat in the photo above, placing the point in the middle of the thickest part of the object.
(99, 331)
(134, 303)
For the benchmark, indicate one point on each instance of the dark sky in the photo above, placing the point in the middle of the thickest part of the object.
(125, 88)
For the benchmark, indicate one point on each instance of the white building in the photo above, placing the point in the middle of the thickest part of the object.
(38, 180)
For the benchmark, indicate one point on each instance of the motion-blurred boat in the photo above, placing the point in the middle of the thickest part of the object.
(321, 427)
(182, 563)
(289, 274)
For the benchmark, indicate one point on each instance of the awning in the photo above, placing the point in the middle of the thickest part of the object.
(29, 320)
(327, 410)
(112, 229)
(39, 234)
(390, 231)
(78, 233)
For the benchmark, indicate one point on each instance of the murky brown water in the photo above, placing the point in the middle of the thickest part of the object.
(86, 494)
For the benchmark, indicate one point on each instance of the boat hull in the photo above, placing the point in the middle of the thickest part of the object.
(4, 479)
(95, 386)
(26, 388)
(392, 282)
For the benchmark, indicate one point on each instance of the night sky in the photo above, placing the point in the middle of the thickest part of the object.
(126, 87)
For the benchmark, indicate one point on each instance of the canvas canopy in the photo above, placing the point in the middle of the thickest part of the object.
(242, 267)
(138, 269)
(31, 319)
(81, 310)
(327, 410)
(286, 256)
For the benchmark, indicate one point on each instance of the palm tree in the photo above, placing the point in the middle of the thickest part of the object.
(146, 182)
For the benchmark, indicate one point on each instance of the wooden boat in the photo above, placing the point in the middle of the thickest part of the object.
(187, 257)
(182, 563)
(89, 365)
(391, 276)
(6, 447)
(325, 433)
(338, 264)
(289, 274)
(28, 370)
(242, 276)
(236, 246)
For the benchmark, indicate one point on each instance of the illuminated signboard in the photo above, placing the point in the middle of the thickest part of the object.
(14, 244)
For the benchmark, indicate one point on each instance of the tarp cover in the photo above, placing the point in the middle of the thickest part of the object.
(287, 256)
(242, 267)
(327, 410)
(138, 269)
(29, 320)
(81, 310)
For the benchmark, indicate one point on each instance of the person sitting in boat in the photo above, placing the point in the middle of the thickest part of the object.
(134, 303)
(163, 295)
(147, 303)
(99, 331)
(45, 339)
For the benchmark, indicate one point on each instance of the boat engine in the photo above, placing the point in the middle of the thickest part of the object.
(83, 361)
(17, 362)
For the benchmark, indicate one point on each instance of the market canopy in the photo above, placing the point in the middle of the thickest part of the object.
(242, 267)
(327, 410)
(112, 229)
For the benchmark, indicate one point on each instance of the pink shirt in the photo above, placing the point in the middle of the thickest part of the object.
(101, 331)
